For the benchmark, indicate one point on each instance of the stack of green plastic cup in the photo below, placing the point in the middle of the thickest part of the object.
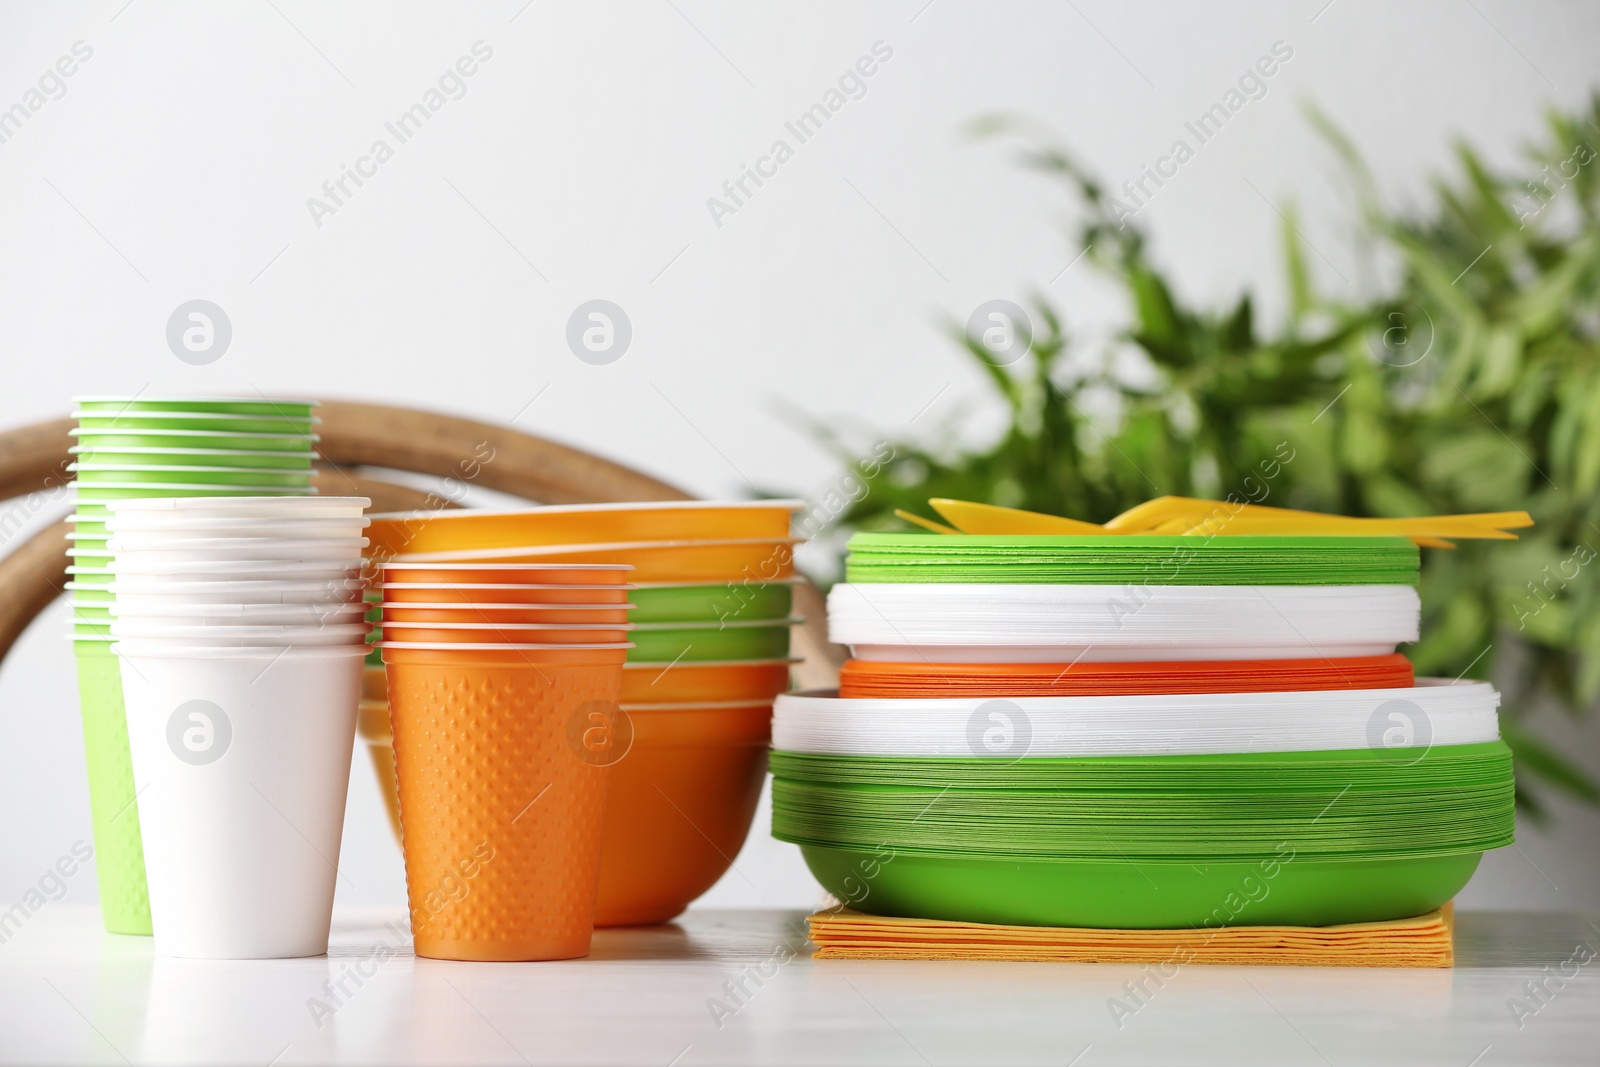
(154, 447)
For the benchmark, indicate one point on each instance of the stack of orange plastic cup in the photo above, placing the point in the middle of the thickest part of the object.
(503, 687)
(712, 599)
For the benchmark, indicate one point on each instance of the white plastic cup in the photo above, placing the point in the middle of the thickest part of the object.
(246, 507)
(140, 590)
(201, 631)
(241, 760)
(235, 570)
(316, 613)
(173, 550)
(143, 525)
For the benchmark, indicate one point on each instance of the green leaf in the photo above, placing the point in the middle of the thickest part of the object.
(1548, 764)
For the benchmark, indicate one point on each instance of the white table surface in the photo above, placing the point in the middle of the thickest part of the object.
(72, 994)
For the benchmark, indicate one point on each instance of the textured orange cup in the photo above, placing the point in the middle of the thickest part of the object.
(502, 592)
(502, 806)
(508, 573)
(506, 614)
(478, 633)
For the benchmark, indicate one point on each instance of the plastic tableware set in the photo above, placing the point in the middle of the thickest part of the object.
(238, 629)
(147, 447)
(708, 620)
(1137, 732)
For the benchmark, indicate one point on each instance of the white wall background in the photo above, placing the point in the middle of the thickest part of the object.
(178, 163)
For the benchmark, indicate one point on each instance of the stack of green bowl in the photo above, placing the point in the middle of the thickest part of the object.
(1170, 841)
(148, 446)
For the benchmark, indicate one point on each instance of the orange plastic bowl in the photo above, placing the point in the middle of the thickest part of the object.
(465, 571)
(681, 797)
(481, 633)
(709, 561)
(507, 613)
(502, 593)
(712, 682)
(679, 807)
(469, 529)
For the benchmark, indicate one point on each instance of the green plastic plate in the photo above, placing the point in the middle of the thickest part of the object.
(1156, 895)
(1141, 560)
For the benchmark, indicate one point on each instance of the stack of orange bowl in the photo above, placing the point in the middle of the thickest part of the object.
(503, 682)
(711, 600)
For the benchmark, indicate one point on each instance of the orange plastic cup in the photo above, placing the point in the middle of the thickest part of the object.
(681, 802)
(501, 817)
(707, 682)
(507, 572)
(507, 613)
(503, 593)
(488, 633)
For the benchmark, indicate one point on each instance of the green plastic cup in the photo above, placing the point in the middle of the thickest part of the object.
(190, 457)
(119, 850)
(101, 492)
(209, 405)
(192, 420)
(209, 477)
(239, 442)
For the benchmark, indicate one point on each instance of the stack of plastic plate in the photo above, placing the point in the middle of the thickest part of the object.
(149, 446)
(1138, 732)
(1146, 812)
(710, 598)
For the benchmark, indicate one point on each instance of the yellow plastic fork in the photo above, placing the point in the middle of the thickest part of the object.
(1189, 515)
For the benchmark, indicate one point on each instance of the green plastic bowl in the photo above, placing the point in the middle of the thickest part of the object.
(97, 615)
(238, 442)
(693, 644)
(191, 457)
(710, 603)
(138, 423)
(1147, 896)
(100, 474)
(209, 405)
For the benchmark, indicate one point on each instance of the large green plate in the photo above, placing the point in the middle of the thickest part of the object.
(1157, 895)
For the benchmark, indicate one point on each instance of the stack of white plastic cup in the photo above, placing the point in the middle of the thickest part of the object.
(239, 631)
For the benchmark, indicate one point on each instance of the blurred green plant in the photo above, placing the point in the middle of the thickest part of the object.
(1472, 385)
